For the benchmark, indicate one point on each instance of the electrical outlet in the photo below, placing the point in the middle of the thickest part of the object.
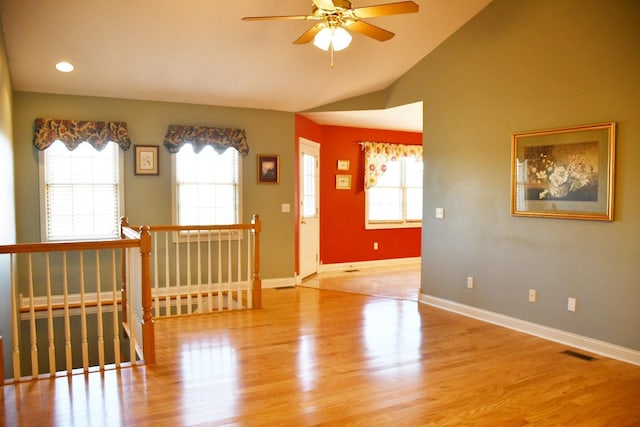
(440, 213)
(470, 282)
(571, 304)
(532, 295)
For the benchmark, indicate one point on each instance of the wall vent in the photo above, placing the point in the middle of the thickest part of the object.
(579, 355)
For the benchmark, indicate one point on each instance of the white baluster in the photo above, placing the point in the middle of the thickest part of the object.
(199, 274)
(32, 323)
(188, 272)
(178, 296)
(52, 345)
(167, 275)
(99, 311)
(239, 264)
(156, 301)
(83, 318)
(116, 325)
(15, 318)
(219, 270)
(209, 278)
(249, 273)
(68, 351)
(229, 273)
(131, 317)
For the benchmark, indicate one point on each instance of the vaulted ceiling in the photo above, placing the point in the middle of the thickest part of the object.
(199, 51)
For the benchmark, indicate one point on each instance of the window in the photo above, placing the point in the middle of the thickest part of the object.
(309, 190)
(206, 186)
(396, 199)
(81, 192)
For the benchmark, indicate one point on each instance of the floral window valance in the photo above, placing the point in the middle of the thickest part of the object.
(377, 154)
(74, 132)
(199, 136)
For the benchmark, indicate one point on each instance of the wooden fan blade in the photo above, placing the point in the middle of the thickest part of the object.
(386, 9)
(270, 18)
(370, 30)
(309, 34)
(324, 4)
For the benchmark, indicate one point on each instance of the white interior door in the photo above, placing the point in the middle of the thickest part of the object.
(309, 180)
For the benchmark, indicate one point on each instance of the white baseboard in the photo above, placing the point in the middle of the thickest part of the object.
(557, 335)
(278, 283)
(368, 264)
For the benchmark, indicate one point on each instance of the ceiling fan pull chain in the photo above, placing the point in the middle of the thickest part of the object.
(331, 47)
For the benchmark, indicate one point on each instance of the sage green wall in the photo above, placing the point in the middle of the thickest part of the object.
(518, 66)
(7, 203)
(148, 198)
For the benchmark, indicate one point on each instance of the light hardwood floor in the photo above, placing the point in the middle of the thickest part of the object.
(324, 357)
(401, 281)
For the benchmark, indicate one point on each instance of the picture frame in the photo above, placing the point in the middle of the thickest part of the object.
(268, 169)
(564, 173)
(343, 182)
(343, 165)
(146, 160)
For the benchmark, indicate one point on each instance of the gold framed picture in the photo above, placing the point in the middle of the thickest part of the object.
(343, 165)
(343, 182)
(564, 173)
(146, 157)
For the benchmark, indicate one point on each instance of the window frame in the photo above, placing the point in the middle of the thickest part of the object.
(43, 197)
(182, 236)
(393, 224)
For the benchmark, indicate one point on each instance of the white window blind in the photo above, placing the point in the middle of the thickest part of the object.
(207, 186)
(396, 199)
(82, 192)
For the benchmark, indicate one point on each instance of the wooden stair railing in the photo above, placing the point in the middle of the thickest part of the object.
(47, 280)
(203, 266)
(143, 235)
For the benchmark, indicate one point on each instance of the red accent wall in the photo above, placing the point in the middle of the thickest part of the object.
(343, 237)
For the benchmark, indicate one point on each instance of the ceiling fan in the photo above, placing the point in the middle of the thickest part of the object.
(336, 16)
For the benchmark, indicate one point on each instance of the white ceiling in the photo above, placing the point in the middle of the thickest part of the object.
(199, 51)
(405, 117)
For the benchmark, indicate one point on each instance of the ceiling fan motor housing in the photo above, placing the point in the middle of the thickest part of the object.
(339, 5)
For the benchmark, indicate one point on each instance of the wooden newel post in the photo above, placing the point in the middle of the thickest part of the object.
(124, 223)
(257, 281)
(148, 336)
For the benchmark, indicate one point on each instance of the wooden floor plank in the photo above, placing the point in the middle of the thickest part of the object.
(313, 356)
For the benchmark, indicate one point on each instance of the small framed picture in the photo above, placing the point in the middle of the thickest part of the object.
(268, 169)
(343, 182)
(146, 159)
(343, 165)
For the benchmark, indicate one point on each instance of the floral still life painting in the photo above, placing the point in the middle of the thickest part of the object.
(564, 172)
(568, 172)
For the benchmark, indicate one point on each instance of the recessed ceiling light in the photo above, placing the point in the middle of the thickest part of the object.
(65, 67)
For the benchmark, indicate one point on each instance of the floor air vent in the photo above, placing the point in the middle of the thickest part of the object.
(579, 355)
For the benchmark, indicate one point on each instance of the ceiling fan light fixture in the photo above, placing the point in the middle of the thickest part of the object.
(338, 37)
